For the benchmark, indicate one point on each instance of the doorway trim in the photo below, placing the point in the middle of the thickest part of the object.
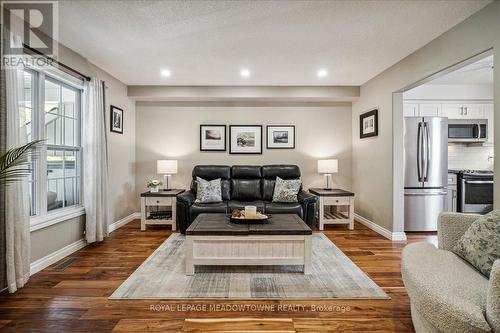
(398, 137)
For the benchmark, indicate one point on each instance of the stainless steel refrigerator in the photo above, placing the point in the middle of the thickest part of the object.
(426, 171)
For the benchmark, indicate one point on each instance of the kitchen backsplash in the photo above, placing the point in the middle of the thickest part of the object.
(470, 157)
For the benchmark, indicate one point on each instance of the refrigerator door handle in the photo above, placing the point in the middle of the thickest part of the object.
(419, 152)
(427, 151)
(416, 194)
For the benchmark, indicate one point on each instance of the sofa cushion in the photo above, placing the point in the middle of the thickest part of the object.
(283, 208)
(280, 170)
(448, 292)
(246, 171)
(208, 191)
(286, 190)
(480, 244)
(245, 189)
(236, 204)
(200, 208)
(211, 172)
(269, 174)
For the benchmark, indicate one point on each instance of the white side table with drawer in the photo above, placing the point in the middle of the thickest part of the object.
(159, 208)
(331, 203)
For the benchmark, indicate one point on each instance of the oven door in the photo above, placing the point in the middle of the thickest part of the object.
(477, 195)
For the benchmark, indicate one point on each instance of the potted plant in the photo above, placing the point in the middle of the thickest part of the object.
(154, 185)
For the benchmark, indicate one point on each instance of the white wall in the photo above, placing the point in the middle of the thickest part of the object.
(451, 92)
(373, 158)
(172, 132)
(121, 149)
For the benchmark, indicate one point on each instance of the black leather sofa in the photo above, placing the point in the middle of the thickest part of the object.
(244, 185)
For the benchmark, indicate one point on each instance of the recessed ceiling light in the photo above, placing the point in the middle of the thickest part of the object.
(322, 73)
(244, 72)
(166, 73)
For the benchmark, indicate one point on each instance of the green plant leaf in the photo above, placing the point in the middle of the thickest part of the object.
(15, 163)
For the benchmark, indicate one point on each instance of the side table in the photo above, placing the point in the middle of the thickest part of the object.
(329, 211)
(158, 208)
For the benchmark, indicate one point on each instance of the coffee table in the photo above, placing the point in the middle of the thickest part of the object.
(213, 240)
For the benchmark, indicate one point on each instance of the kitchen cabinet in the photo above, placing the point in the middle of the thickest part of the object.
(463, 111)
(473, 111)
(488, 114)
(429, 109)
(452, 111)
(410, 109)
(422, 109)
(452, 193)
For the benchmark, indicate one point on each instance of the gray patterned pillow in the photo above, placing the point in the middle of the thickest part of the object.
(208, 191)
(286, 190)
(480, 245)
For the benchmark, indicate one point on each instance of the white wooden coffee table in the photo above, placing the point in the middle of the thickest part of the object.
(212, 240)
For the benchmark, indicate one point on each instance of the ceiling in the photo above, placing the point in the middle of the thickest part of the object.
(281, 43)
(480, 72)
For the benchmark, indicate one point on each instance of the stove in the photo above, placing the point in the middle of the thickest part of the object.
(475, 191)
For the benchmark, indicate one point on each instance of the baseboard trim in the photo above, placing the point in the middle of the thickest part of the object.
(393, 236)
(48, 260)
(120, 223)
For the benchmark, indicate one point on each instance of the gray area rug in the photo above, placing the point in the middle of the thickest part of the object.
(333, 276)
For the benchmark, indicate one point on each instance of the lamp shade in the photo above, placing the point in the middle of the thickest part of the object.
(166, 167)
(328, 166)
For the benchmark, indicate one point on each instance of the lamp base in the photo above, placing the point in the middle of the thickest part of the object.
(167, 183)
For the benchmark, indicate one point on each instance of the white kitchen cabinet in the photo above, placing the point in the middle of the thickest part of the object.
(463, 111)
(410, 109)
(488, 114)
(429, 109)
(452, 110)
(473, 111)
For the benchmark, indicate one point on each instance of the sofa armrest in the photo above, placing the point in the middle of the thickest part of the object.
(306, 197)
(452, 226)
(186, 198)
(308, 203)
(493, 298)
(184, 202)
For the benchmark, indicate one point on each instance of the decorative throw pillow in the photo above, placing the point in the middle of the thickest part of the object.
(208, 191)
(480, 245)
(286, 190)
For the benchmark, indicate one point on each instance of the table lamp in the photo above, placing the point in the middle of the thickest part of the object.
(327, 167)
(166, 168)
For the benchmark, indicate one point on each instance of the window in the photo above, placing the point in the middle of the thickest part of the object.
(52, 110)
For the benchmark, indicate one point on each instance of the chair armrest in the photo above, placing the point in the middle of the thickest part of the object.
(304, 197)
(187, 198)
(493, 298)
(452, 226)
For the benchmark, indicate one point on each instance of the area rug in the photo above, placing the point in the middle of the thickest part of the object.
(333, 276)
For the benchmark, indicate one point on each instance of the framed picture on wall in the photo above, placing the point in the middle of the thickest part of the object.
(116, 120)
(245, 139)
(212, 137)
(368, 124)
(280, 136)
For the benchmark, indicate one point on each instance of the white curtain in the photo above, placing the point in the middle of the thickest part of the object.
(95, 163)
(17, 220)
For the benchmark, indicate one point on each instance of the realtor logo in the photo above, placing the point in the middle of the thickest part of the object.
(31, 24)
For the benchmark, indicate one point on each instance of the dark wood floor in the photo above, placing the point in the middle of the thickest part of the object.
(75, 299)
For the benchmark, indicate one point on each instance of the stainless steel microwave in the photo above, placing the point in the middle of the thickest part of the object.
(467, 130)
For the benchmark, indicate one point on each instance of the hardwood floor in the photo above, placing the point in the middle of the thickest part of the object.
(75, 298)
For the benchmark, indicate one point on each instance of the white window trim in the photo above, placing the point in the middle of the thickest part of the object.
(58, 216)
(38, 222)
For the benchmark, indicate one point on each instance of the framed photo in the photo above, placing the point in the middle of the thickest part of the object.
(245, 139)
(368, 124)
(280, 136)
(212, 137)
(116, 120)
